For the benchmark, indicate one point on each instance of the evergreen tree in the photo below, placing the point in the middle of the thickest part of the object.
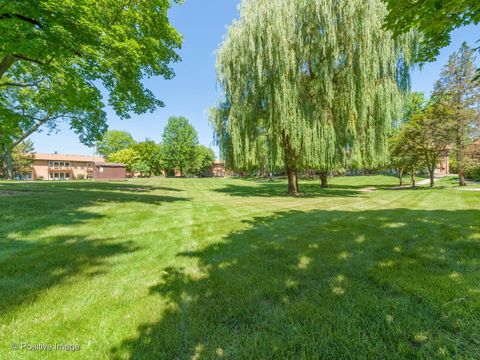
(321, 79)
(457, 91)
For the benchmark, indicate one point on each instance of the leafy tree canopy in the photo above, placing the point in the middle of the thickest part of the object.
(436, 19)
(55, 56)
(125, 156)
(204, 159)
(114, 141)
(428, 135)
(319, 82)
(179, 142)
(150, 154)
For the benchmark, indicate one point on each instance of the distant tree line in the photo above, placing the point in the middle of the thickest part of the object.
(178, 153)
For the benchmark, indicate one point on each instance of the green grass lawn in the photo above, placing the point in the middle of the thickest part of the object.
(235, 269)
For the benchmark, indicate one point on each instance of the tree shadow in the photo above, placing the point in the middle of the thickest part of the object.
(84, 185)
(43, 206)
(278, 189)
(40, 248)
(30, 268)
(323, 284)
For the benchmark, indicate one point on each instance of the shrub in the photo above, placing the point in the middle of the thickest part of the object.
(473, 173)
(40, 178)
(80, 177)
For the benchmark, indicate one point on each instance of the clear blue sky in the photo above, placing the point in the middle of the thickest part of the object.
(193, 90)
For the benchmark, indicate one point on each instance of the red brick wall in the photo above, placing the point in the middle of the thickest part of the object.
(109, 173)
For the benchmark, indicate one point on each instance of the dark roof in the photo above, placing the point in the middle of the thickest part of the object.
(109, 164)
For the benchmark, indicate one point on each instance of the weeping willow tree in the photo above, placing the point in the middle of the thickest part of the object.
(321, 79)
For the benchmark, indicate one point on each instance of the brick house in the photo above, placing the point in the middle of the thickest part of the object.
(218, 169)
(443, 167)
(473, 150)
(69, 167)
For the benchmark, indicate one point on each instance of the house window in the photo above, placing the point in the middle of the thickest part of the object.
(101, 169)
(59, 176)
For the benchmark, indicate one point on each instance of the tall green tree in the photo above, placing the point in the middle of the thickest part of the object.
(457, 91)
(149, 154)
(428, 136)
(56, 55)
(179, 143)
(114, 141)
(435, 19)
(403, 156)
(321, 79)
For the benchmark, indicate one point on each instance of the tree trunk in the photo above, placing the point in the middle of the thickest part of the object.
(461, 179)
(324, 179)
(460, 157)
(292, 181)
(400, 176)
(7, 163)
(432, 177)
(290, 165)
(412, 176)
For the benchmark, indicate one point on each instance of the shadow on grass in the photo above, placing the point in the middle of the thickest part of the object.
(43, 205)
(30, 268)
(324, 284)
(269, 189)
(32, 261)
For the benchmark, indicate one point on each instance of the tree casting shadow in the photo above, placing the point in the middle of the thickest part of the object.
(323, 284)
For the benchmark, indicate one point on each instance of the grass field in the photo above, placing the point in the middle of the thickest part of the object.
(235, 269)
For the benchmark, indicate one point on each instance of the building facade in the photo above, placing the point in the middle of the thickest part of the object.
(443, 167)
(70, 167)
(218, 169)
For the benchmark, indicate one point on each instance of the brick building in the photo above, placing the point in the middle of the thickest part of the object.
(69, 167)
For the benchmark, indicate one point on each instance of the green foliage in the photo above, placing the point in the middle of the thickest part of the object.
(149, 156)
(402, 155)
(320, 98)
(414, 103)
(56, 55)
(23, 157)
(427, 136)
(435, 19)
(114, 141)
(179, 144)
(81, 177)
(126, 156)
(473, 172)
(142, 167)
(204, 159)
(456, 91)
